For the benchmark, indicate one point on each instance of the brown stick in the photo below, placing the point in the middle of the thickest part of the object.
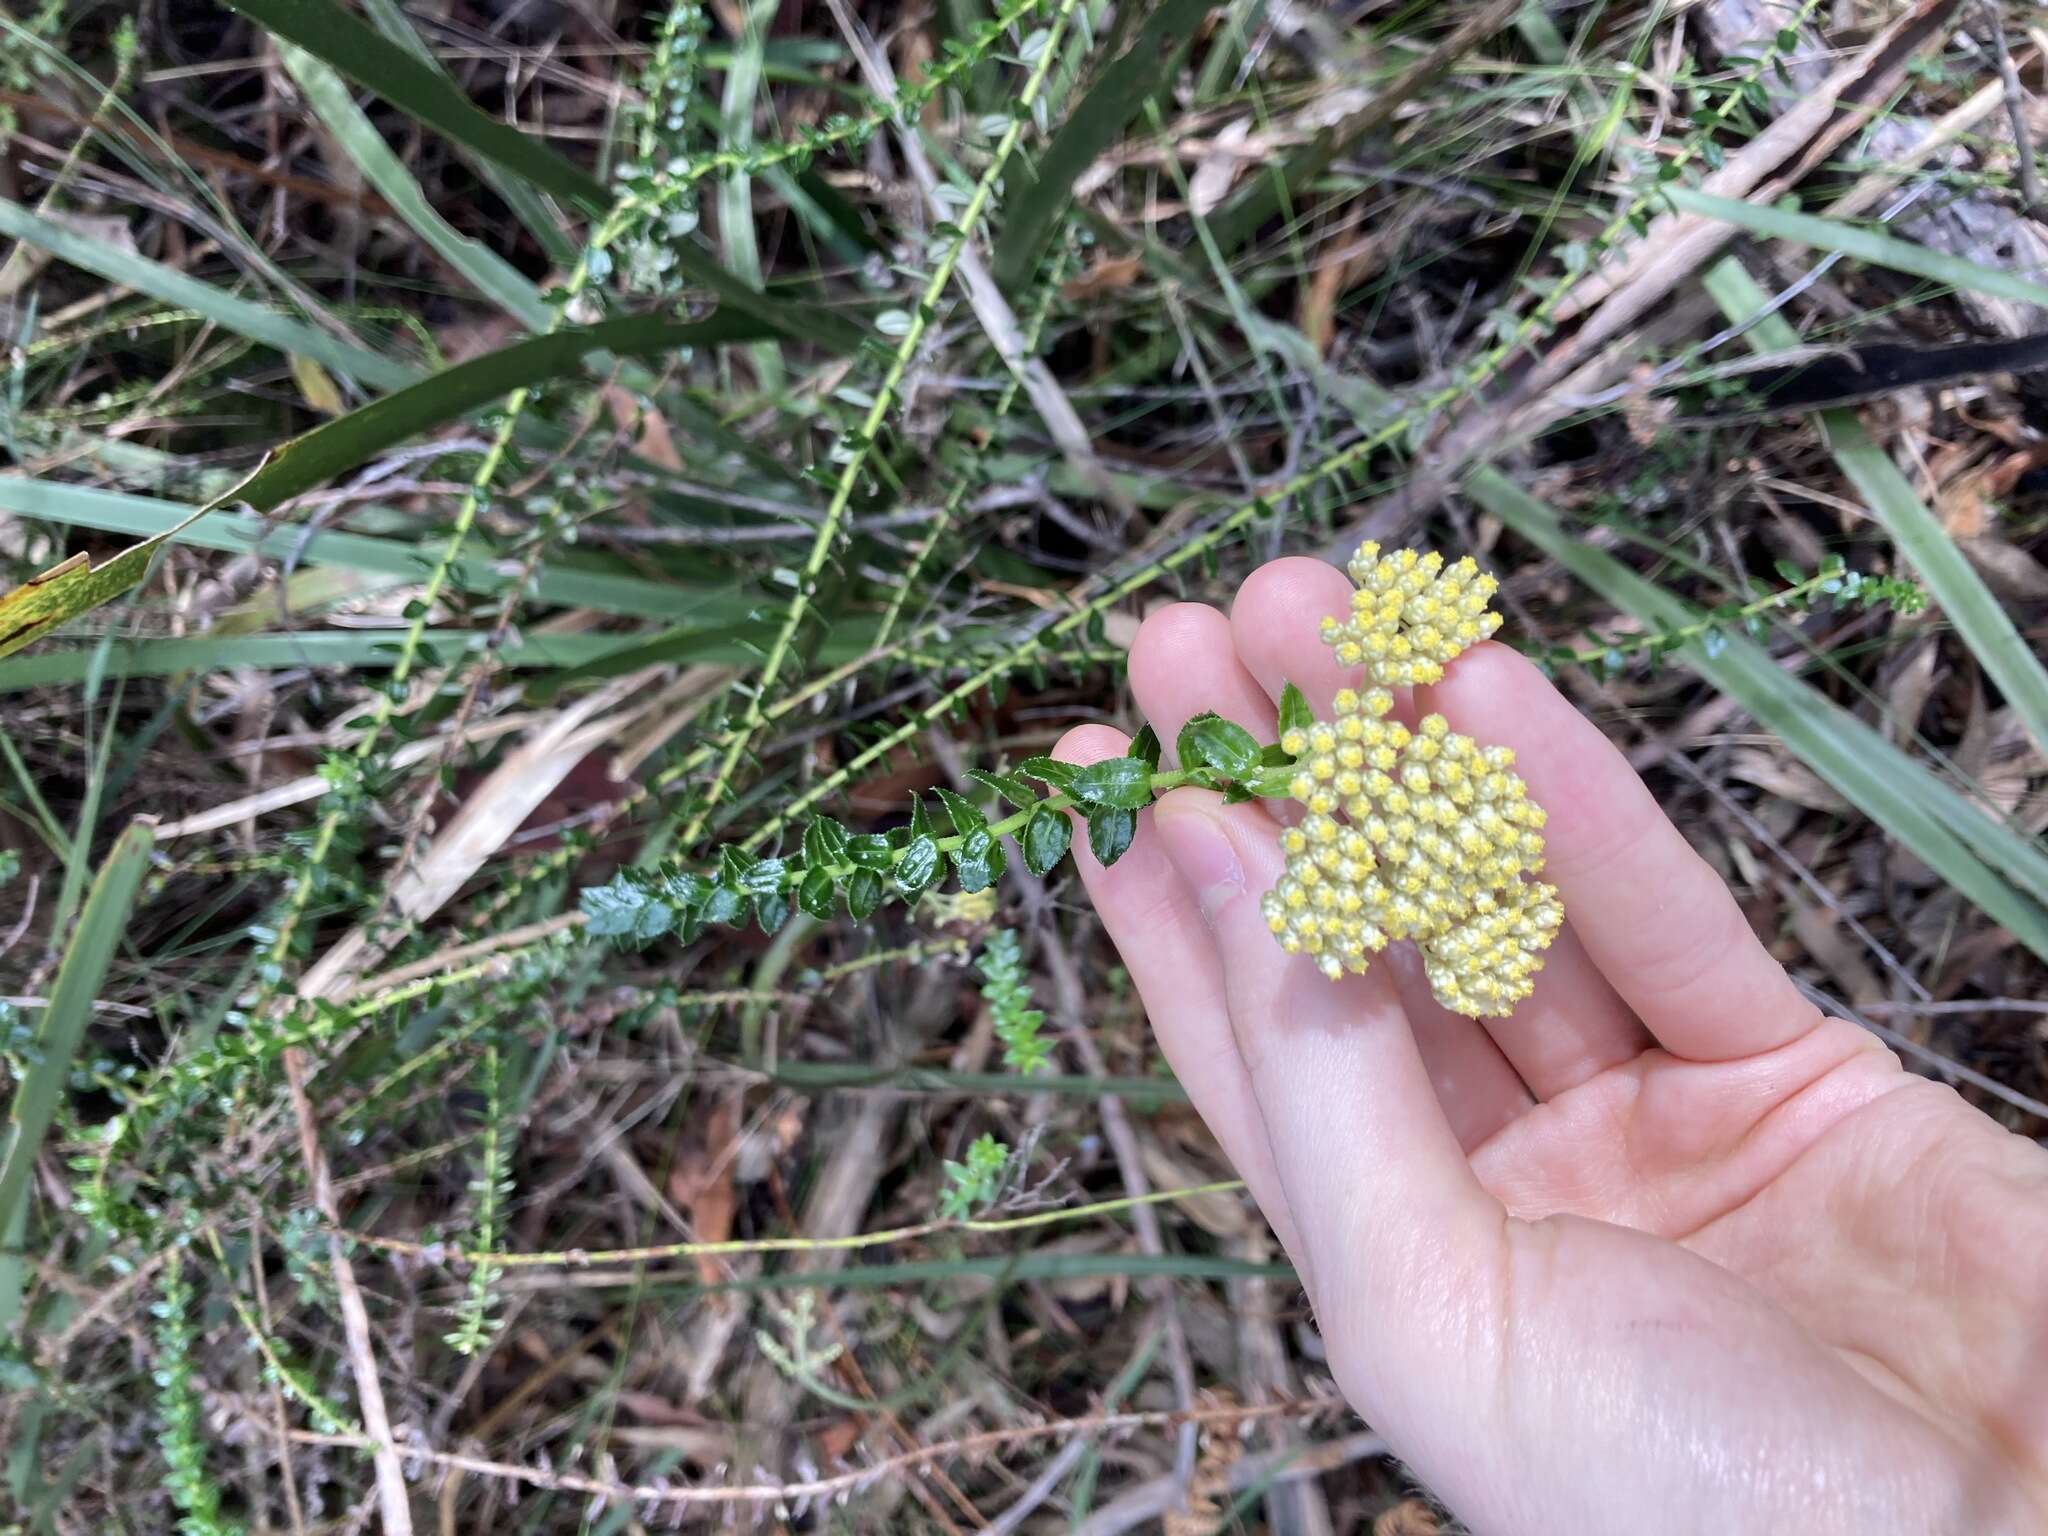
(393, 1500)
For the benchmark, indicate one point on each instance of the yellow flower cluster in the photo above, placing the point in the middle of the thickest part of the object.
(1421, 834)
(1409, 615)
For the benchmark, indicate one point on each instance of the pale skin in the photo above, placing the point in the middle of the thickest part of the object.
(1666, 1249)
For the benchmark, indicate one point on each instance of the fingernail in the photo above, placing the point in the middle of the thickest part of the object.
(1200, 850)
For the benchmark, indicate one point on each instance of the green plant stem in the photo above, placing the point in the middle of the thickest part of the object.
(851, 133)
(852, 1242)
(1033, 331)
(856, 449)
(1648, 639)
(1266, 784)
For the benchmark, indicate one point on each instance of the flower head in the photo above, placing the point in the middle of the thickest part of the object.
(1421, 834)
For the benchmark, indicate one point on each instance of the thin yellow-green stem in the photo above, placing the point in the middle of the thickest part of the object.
(382, 706)
(861, 444)
(964, 483)
(581, 1258)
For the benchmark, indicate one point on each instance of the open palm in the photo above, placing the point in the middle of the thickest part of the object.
(1666, 1249)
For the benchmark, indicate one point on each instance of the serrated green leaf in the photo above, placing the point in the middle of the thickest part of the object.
(824, 842)
(771, 912)
(814, 895)
(733, 864)
(763, 877)
(1123, 782)
(919, 865)
(980, 860)
(1047, 836)
(1295, 715)
(1224, 746)
(1145, 747)
(1187, 746)
(1049, 771)
(724, 905)
(921, 823)
(863, 893)
(623, 911)
(684, 889)
(1010, 788)
(966, 814)
(1110, 829)
(871, 851)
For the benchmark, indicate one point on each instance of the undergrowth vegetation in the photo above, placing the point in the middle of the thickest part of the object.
(547, 551)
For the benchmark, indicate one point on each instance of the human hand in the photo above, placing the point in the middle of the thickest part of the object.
(1665, 1249)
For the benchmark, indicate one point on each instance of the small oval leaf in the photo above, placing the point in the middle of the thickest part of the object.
(1145, 747)
(1295, 715)
(870, 851)
(966, 815)
(824, 842)
(1122, 782)
(1047, 836)
(863, 893)
(815, 894)
(1012, 789)
(1110, 830)
(980, 860)
(1228, 748)
(1049, 771)
(919, 865)
(764, 877)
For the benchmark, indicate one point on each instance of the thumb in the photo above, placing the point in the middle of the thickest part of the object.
(1392, 1222)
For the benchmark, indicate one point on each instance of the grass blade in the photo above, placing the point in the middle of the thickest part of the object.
(483, 269)
(1111, 105)
(1275, 187)
(369, 649)
(66, 590)
(338, 446)
(561, 583)
(1871, 245)
(530, 206)
(1897, 793)
(736, 190)
(377, 64)
(355, 48)
(84, 967)
(245, 318)
(1986, 628)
